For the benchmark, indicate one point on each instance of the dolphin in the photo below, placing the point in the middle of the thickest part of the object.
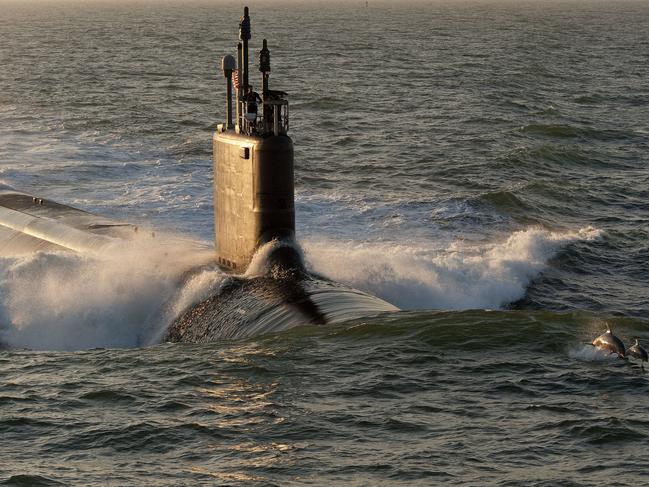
(638, 351)
(609, 342)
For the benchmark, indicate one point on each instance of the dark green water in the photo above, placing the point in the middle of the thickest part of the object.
(481, 165)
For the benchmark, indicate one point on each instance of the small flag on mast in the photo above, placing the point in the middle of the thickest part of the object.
(235, 79)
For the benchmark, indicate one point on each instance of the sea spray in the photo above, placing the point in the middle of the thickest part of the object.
(462, 276)
(207, 281)
(67, 301)
(589, 353)
(262, 262)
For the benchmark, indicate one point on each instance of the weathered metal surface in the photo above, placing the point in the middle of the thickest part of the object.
(253, 195)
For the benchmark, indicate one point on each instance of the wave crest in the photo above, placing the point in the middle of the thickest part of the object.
(462, 276)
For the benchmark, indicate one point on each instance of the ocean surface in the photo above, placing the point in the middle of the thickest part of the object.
(481, 165)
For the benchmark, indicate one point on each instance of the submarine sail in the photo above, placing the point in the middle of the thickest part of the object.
(253, 162)
(253, 210)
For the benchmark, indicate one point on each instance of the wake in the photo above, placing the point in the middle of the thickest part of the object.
(130, 293)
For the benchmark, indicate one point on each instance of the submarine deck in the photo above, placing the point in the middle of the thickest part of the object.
(29, 224)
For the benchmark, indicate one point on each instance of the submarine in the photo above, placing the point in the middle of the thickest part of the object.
(267, 287)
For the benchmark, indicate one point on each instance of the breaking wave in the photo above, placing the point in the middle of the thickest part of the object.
(463, 276)
(121, 297)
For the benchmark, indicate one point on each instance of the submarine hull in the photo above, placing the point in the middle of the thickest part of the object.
(246, 307)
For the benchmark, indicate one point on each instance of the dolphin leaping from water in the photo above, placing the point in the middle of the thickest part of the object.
(638, 351)
(609, 342)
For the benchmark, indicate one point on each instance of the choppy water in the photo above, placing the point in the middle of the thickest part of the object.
(452, 157)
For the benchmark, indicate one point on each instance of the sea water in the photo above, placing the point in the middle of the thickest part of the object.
(482, 165)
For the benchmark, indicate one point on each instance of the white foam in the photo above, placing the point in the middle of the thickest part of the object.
(259, 265)
(65, 301)
(589, 353)
(463, 276)
(199, 287)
